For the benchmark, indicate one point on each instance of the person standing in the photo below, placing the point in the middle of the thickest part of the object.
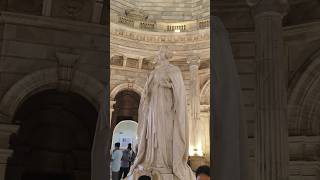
(125, 162)
(203, 173)
(116, 161)
(132, 155)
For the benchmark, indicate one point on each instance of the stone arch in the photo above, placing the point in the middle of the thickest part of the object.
(45, 79)
(303, 106)
(125, 86)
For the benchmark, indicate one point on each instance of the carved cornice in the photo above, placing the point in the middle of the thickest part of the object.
(139, 21)
(260, 7)
(159, 37)
(49, 22)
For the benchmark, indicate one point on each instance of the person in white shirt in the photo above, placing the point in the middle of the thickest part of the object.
(116, 161)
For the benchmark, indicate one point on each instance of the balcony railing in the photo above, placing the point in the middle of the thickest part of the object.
(162, 26)
(126, 21)
(147, 26)
(204, 24)
(179, 28)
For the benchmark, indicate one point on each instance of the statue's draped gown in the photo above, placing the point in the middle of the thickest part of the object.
(160, 121)
(163, 126)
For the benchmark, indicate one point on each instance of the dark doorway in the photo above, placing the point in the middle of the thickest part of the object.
(55, 137)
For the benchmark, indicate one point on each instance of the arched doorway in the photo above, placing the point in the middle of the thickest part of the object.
(125, 132)
(55, 137)
(126, 107)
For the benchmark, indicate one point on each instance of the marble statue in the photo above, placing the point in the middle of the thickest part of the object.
(163, 125)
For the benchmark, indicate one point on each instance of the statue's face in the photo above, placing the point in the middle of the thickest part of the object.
(162, 56)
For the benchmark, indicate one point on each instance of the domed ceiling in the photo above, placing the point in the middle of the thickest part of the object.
(165, 10)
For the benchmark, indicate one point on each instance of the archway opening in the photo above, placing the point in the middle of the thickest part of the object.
(125, 132)
(124, 125)
(55, 137)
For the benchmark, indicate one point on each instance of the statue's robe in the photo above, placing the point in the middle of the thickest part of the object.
(163, 125)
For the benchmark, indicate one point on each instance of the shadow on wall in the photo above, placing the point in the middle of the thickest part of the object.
(54, 139)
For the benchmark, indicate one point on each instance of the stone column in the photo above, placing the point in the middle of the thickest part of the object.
(205, 130)
(271, 129)
(195, 140)
(111, 110)
(125, 58)
(46, 7)
(97, 11)
(140, 62)
(6, 133)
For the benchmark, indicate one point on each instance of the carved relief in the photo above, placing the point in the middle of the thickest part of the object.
(136, 14)
(73, 9)
(66, 63)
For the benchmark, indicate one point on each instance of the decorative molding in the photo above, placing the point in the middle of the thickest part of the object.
(159, 37)
(136, 14)
(55, 23)
(302, 169)
(66, 63)
(260, 7)
(303, 99)
(125, 86)
(73, 7)
(44, 79)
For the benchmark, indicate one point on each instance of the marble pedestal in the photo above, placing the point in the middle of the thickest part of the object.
(153, 177)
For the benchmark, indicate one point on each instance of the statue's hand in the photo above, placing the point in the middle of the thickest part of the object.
(165, 83)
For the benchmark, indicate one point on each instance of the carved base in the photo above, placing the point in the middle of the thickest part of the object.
(158, 177)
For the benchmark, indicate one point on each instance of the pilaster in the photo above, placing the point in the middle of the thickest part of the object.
(272, 132)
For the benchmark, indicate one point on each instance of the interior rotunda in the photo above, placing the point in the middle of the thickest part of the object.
(55, 53)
